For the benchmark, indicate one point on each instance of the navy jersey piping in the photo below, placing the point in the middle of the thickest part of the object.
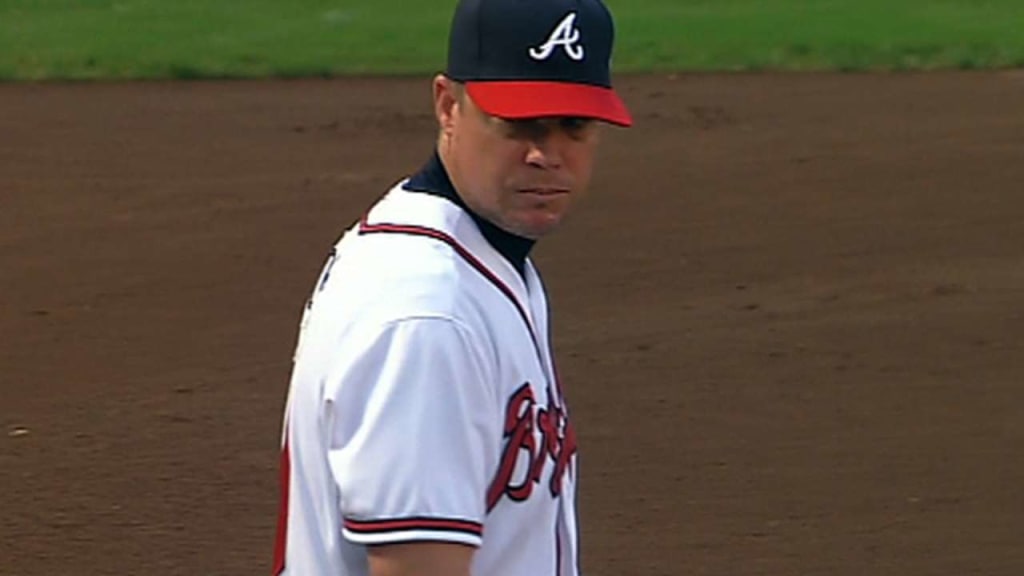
(433, 179)
(366, 228)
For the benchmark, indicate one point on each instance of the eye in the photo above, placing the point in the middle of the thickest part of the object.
(538, 128)
(524, 129)
(573, 122)
(575, 126)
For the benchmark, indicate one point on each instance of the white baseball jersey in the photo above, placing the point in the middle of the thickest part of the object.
(424, 404)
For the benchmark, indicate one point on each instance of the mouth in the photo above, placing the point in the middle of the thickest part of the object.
(544, 191)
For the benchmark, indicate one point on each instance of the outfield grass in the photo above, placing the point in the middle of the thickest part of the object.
(92, 39)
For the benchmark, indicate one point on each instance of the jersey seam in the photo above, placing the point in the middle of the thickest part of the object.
(465, 331)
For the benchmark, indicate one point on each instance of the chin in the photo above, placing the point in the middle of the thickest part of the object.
(537, 227)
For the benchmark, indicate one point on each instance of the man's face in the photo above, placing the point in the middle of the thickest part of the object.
(522, 175)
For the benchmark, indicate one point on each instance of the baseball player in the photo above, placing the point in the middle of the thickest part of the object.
(425, 431)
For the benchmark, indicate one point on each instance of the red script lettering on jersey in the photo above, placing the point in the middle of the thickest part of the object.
(523, 419)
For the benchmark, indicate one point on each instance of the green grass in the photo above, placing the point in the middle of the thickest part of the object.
(100, 39)
(88, 39)
(823, 34)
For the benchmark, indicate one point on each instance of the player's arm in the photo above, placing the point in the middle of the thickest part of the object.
(413, 468)
(420, 559)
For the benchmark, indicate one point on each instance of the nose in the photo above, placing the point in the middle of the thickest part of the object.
(544, 150)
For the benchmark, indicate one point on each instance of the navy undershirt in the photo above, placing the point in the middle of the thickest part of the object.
(433, 179)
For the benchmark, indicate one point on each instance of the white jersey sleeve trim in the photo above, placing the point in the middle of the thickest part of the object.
(414, 529)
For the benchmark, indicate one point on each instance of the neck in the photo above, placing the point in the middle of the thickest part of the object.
(436, 178)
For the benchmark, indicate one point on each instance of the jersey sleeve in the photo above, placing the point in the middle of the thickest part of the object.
(413, 434)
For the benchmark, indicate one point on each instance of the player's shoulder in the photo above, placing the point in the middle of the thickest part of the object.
(408, 256)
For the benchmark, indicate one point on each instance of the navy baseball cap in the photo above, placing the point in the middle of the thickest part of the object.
(534, 58)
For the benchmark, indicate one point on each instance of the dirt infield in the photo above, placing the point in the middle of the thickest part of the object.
(790, 319)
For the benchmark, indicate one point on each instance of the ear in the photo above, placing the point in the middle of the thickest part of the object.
(445, 103)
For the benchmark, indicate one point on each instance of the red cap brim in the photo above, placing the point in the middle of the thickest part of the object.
(515, 99)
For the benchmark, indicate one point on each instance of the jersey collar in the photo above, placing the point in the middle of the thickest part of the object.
(433, 179)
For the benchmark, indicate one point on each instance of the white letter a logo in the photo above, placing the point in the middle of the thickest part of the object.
(565, 35)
